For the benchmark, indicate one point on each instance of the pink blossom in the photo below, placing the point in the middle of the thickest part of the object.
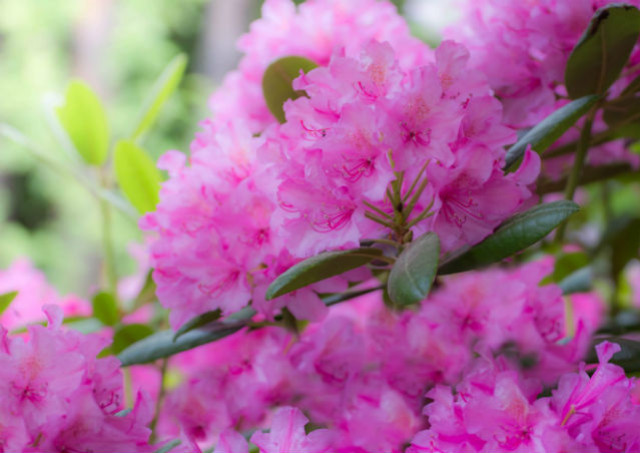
(33, 293)
(321, 28)
(287, 435)
(56, 396)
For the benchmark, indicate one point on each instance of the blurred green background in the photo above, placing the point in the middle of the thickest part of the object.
(119, 47)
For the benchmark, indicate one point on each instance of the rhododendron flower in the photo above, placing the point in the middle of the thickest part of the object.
(523, 49)
(321, 28)
(33, 293)
(56, 396)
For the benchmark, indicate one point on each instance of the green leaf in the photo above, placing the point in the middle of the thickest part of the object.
(542, 136)
(6, 299)
(169, 446)
(127, 335)
(199, 321)
(413, 273)
(514, 235)
(162, 344)
(162, 89)
(320, 267)
(277, 82)
(622, 115)
(603, 50)
(579, 281)
(83, 118)
(569, 263)
(105, 308)
(137, 176)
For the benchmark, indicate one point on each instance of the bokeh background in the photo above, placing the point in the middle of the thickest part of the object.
(119, 47)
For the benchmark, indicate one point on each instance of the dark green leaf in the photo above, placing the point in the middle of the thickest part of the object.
(320, 267)
(579, 281)
(413, 273)
(162, 344)
(137, 176)
(85, 122)
(567, 264)
(199, 321)
(622, 115)
(514, 235)
(624, 244)
(603, 50)
(164, 86)
(105, 308)
(277, 82)
(6, 299)
(127, 335)
(550, 129)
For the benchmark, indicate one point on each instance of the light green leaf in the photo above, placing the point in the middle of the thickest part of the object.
(83, 118)
(162, 89)
(105, 308)
(603, 50)
(320, 267)
(6, 299)
(137, 176)
(550, 129)
(514, 235)
(127, 335)
(413, 273)
(277, 82)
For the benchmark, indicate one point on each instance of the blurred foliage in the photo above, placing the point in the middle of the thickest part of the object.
(44, 216)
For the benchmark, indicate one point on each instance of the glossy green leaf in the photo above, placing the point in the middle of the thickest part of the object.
(320, 267)
(199, 321)
(105, 308)
(603, 50)
(127, 335)
(163, 88)
(514, 235)
(137, 176)
(413, 273)
(277, 81)
(6, 299)
(545, 134)
(162, 344)
(84, 120)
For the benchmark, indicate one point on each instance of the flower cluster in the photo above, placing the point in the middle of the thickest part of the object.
(56, 396)
(364, 371)
(523, 49)
(381, 109)
(494, 410)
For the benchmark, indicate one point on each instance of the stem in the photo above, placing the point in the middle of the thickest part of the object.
(415, 181)
(596, 139)
(160, 401)
(415, 198)
(337, 298)
(377, 210)
(382, 222)
(578, 165)
(107, 243)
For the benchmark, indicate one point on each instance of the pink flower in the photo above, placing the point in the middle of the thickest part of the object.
(33, 293)
(287, 435)
(56, 396)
